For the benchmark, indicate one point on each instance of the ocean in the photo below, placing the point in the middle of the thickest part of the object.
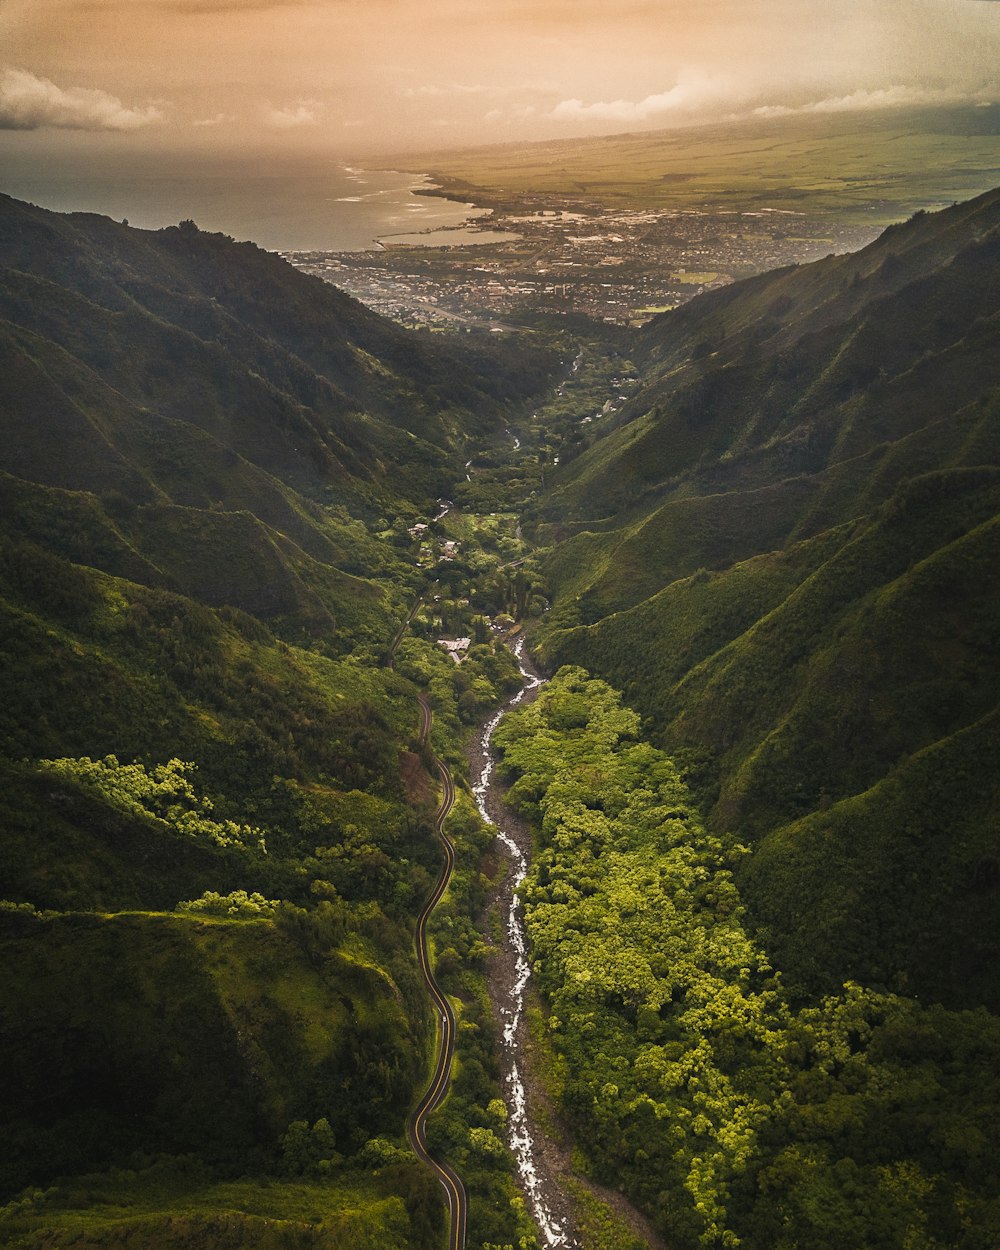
(281, 204)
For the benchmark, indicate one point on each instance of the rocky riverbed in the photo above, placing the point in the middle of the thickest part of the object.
(543, 1160)
(510, 974)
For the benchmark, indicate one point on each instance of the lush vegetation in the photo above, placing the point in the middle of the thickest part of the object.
(217, 814)
(470, 1130)
(244, 916)
(223, 941)
(788, 568)
(168, 1201)
(733, 1113)
(770, 519)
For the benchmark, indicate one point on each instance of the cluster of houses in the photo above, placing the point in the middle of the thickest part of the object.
(447, 550)
(457, 648)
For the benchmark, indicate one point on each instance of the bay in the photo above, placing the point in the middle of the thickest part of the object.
(282, 204)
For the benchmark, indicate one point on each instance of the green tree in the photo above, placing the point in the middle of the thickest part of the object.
(308, 1151)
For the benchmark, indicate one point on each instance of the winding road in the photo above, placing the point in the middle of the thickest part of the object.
(441, 1078)
(390, 656)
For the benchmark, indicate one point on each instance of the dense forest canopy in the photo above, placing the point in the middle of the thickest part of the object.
(735, 1111)
(785, 557)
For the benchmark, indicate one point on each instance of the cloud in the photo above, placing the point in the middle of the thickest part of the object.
(692, 92)
(431, 91)
(898, 96)
(697, 92)
(294, 116)
(218, 120)
(28, 102)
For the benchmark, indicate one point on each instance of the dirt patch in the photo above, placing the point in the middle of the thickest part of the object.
(416, 780)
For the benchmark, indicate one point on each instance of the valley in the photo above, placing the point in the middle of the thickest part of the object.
(270, 563)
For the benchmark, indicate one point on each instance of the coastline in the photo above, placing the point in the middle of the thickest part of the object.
(479, 219)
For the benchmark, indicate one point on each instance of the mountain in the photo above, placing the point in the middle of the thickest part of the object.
(217, 805)
(236, 421)
(785, 555)
(803, 369)
(217, 809)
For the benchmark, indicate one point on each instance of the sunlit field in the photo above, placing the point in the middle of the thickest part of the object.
(864, 168)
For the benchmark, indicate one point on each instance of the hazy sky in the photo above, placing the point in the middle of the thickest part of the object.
(358, 76)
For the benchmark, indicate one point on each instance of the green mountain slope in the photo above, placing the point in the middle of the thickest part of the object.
(216, 809)
(157, 753)
(799, 370)
(185, 298)
(791, 572)
(221, 1036)
(175, 370)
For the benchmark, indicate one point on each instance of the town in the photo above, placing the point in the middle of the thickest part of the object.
(553, 254)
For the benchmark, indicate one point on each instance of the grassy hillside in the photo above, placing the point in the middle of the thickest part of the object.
(215, 810)
(248, 323)
(158, 753)
(184, 1109)
(107, 1211)
(785, 556)
(800, 371)
(239, 424)
(222, 1033)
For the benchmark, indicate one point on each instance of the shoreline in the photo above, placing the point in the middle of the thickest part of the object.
(479, 219)
(385, 241)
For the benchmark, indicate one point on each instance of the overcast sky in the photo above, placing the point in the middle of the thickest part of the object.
(359, 76)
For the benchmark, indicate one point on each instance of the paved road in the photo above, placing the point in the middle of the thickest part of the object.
(390, 656)
(441, 1078)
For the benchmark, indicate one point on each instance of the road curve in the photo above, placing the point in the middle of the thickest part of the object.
(437, 1090)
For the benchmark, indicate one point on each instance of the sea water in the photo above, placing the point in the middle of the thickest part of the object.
(290, 203)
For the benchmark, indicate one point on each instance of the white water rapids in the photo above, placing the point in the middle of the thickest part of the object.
(519, 1129)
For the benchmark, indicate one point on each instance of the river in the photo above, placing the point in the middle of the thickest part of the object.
(538, 1170)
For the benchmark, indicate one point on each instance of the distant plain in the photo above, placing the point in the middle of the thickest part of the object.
(863, 168)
